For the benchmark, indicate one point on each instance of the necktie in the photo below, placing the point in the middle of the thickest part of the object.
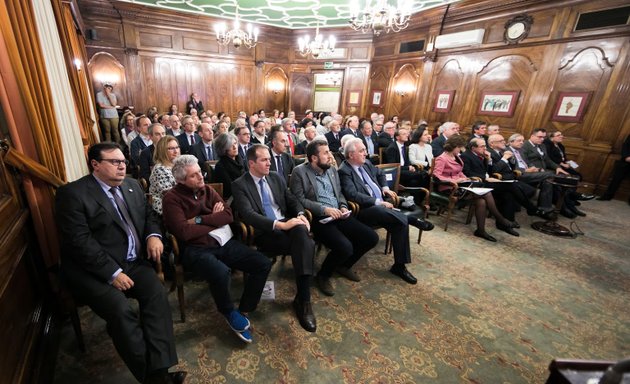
(540, 152)
(279, 166)
(336, 137)
(291, 145)
(209, 153)
(519, 160)
(372, 187)
(192, 139)
(370, 145)
(124, 213)
(266, 200)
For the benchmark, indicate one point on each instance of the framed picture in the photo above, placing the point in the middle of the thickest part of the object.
(443, 101)
(571, 106)
(354, 98)
(377, 97)
(496, 103)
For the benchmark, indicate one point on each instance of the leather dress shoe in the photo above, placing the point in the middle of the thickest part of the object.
(577, 212)
(401, 271)
(178, 377)
(548, 215)
(515, 224)
(485, 235)
(584, 197)
(509, 230)
(567, 213)
(348, 273)
(304, 312)
(420, 223)
(325, 285)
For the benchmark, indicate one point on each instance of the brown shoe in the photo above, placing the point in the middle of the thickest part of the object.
(348, 274)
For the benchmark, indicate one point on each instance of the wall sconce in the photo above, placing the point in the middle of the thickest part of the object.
(403, 89)
(77, 64)
(276, 87)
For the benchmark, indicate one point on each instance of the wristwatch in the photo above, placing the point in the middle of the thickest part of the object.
(197, 219)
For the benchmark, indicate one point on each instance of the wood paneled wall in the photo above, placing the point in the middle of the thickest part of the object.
(167, 55)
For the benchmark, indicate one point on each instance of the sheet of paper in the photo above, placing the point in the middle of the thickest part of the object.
(478, 191)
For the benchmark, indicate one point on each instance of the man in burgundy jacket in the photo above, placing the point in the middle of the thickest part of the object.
(192, 212)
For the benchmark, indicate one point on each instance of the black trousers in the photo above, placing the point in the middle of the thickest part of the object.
(348, 240)
(295, 242)
(620, 172)
(396, 223)
(143, 340)
(214, 265)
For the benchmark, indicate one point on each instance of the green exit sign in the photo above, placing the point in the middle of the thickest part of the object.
(328, 64)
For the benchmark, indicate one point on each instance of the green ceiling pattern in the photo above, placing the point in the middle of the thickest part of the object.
(293, 14)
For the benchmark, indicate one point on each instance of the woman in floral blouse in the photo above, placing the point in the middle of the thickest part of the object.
(162, 179)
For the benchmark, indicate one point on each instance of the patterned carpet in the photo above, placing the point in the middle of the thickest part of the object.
(481, 313)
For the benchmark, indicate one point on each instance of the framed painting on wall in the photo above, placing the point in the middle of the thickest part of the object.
(354, 98)
(377, 97)
(498, 103)
(443, 101)
(571, 106)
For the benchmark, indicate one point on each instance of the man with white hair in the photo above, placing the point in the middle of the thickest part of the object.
(386, 138)
(321, 127)
(365, 184)
(309, 134)
(492, 129)
(445, 131)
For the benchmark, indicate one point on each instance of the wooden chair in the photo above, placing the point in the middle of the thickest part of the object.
(299, 159)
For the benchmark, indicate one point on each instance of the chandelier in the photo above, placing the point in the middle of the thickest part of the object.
(316, 46)
(380, 17)
(236, 35)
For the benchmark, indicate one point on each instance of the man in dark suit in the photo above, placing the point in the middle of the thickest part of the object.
(333, 137)
(309, 134)
(175, 126)
(204, 149)
(156, 132)
(369, 139)
(386, 138)
(410, 176)
(243, 135)
(479, 130)
(535, 154)
(620, 172)
(352, 128)
(281, 162)
(366, 185)
(189, 137)
(107, 232)
(316, 185)
(263, 201)
(141, 141)
(445, 131)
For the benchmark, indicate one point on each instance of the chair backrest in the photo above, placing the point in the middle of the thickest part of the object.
(218, 187)
(144, 184)
(392, 174)
(381, 159)
(299, 159)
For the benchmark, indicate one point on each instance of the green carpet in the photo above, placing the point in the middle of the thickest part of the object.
(481, 313)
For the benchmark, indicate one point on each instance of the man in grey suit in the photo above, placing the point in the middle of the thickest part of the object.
(263, 201)
(366, 185)
(107, 231)
(316, 185)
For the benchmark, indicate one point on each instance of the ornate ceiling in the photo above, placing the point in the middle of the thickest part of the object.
(291, 14)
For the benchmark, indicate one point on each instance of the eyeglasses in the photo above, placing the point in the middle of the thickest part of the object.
(172, 148)
(116, 162)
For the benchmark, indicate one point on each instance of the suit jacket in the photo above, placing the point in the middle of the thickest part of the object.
(184, 144)
(438, 145)
(287, 164)
(556, 154)
(304, 186)
(249, 206)
(533, 158)
(333, 144)
(300, 149)
(384, 140)
(392, 155)
(146, 162)
(374, 139)
(199, 151)
(254, 140)
(94, 240)
(353, 186)
(348, 131)
(501, 167)
(474, 166)
(136, 146)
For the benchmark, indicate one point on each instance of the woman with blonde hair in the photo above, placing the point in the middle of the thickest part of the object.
(161, 179)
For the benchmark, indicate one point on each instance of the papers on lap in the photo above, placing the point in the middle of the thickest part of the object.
(478, 191)
(222, 234)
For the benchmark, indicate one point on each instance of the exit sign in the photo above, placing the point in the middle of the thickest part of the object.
(328, 64)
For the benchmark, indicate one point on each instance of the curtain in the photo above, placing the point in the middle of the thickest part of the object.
(65, 108)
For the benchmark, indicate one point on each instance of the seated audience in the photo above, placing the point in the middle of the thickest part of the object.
(259, 133)
(192, 212)
(229, 167)
(448, 167)
(410, 176)
(479, 130)
(369, 138)
(175, 126)
(386, 137)
(317, 187)
(366, 185)
(309, 135)
(333, 137)
(281, 162)
(445, 131)
(204, 149)
(162, 179)
(265, 202)
(493, 129)
(292, 138)
(145, 162)
(352, 127)
(620, 172)
(128, 128)
(189, 137)
(141, 141)
(108, 235)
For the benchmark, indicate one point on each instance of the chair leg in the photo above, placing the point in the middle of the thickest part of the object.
(419, 235)
(179, 280)
(388, 243)
(471, 212)
(76, 325)
(449, 213)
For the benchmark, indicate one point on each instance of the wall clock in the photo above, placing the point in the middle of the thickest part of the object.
(517, 29)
